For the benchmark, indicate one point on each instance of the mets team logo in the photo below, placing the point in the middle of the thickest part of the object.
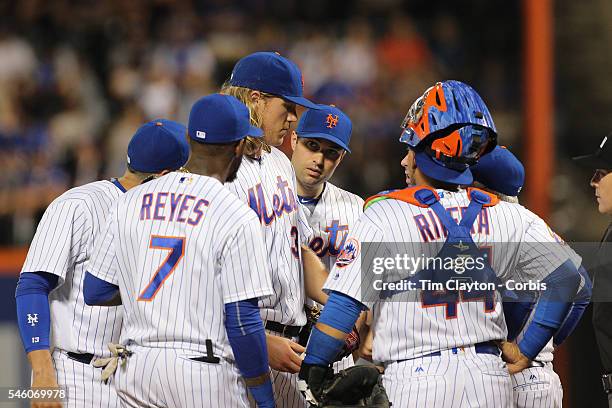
(348, 254)
(331, 121)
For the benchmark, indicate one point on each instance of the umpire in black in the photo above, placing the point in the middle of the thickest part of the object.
(601, 163)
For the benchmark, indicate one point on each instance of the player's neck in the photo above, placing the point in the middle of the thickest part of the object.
(129, 180)
(309, 191)
(207, 167)
(422, 180)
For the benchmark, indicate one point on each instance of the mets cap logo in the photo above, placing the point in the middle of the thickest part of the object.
(348, 254)
(331, 121)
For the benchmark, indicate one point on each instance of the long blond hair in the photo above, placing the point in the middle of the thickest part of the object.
(254, 145)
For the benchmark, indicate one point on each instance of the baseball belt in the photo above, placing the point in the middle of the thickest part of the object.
(487, 347)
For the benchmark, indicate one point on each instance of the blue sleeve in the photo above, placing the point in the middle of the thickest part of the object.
(33, 314)
(341, 313)
(581, 301)
(97, 291)
(516, 315)
(247, 338)
(551, 308)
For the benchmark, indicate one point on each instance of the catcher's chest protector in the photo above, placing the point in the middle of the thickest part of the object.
(459, 242)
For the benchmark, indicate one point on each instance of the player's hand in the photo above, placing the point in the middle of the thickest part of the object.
(284, 354)
(365, 349)
(43, 376)
(45, 379)
(515, 360)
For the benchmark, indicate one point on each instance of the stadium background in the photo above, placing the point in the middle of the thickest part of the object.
(78, 77)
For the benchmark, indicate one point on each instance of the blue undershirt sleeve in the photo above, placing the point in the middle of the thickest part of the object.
(341, 313)
(247, 338)
(551, 308)
(96, 291)
(581, 301)
(33, 313)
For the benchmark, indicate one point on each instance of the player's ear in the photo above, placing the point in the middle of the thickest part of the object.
(239, 149)
(293, 140)
(255, 96)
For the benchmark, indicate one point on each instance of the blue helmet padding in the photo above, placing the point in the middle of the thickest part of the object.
(437, 171)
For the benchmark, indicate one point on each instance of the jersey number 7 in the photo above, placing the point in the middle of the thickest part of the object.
(176, 246)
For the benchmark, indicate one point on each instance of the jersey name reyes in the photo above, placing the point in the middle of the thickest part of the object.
(177, 207)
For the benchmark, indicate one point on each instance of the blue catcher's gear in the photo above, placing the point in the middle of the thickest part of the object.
(449, 127)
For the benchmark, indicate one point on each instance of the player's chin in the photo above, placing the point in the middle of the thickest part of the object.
(274, 141)
(311, 180)
(604, 208)
(279, 139)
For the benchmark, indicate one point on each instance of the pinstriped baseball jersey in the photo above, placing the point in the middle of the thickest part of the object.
(179, 248)
(62, 245)
(331, 219)
(540, 387)
(267, 185)
(546, 355)
(425, 327)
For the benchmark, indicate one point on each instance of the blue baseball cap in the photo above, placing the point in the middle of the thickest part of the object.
(220, 119)
(271, 73)
(327, 122)
(158, 145)
(500, 171)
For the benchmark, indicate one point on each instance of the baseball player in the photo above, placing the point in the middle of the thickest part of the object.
(271, 86)
(538, 385)
(319, 144)
(186, 259)
(49, 293)
(439, 344)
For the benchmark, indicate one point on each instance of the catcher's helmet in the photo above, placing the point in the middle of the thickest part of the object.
(449, 127)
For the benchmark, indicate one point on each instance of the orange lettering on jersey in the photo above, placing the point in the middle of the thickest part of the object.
(335, 240)
(282, 202)
(318, 246)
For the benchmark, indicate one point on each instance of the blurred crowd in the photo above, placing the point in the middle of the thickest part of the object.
(77, 78)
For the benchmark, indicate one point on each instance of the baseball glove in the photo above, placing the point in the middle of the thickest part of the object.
(357, 386)
(312, 316)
